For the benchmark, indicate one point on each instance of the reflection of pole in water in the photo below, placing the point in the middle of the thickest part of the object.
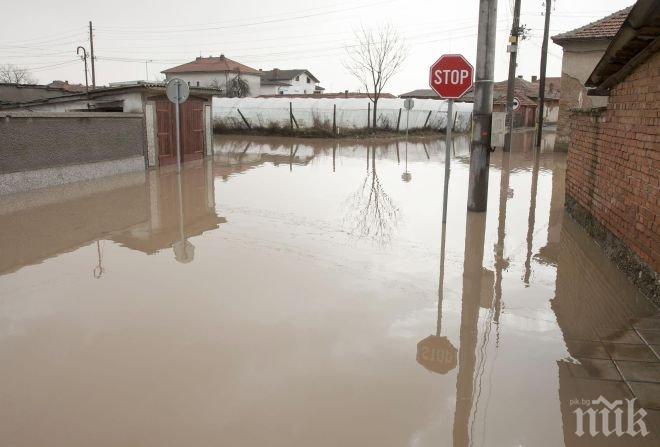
(398, 156)
(292, 153)
(441, 285)
(334, 155)
(500, 262)
(475, 230)
(435, 352)
(406, 176)
(99, 270)
(532, 217)
(184, 251)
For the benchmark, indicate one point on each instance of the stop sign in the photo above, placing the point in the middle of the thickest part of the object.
(451, 76)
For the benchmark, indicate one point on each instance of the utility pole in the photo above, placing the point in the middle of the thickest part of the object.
(84, 58)
(91, 50)
(544, 63)
(483, 107)
(513, 51)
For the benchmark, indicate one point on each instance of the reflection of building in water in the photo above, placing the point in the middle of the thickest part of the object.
(138, 210)
(162, 227)
(549, 253)
(593, 302)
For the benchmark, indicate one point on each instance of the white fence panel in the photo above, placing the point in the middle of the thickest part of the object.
(351, 112)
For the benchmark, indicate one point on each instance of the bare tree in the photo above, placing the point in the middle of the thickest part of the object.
(237, 87)
(374, 59)
(12, 74)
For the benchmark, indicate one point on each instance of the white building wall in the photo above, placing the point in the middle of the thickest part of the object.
(300, 86)
(132, 104)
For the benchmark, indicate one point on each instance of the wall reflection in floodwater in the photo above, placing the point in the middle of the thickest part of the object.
(320, 302)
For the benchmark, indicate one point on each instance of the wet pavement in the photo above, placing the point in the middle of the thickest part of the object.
(298, 293)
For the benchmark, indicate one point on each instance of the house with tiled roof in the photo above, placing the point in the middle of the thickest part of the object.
(298, 81)
(583, 48)
(525, 114)
(216, 72)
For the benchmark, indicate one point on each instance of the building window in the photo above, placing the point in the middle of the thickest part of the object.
(188, 83)
(309, 81)
(281, 92)
(298, 78)
(197, 83)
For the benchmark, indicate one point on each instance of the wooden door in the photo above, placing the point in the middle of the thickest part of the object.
(191, 116)
(192, 129)
(166, 138)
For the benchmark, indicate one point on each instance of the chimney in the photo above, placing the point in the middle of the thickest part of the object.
(520, 76)
(222, 57)
(346, 93)
(534, 78)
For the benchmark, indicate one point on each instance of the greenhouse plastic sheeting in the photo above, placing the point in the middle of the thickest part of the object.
(351, 112)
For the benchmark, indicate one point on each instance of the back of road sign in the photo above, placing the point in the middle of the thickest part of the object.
(177, 90)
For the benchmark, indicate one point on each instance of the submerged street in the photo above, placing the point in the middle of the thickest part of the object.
(277, 294)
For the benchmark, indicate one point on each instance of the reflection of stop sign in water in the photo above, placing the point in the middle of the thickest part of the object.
(451, 76)
(437, 354)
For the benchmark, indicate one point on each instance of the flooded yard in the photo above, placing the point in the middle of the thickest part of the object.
(306, 293)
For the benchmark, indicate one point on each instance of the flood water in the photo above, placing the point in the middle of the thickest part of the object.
(277, 294)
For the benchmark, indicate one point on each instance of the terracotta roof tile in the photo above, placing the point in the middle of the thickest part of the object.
(605, 28)
(212, 64)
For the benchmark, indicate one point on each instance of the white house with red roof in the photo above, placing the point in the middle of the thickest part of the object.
(216, 72)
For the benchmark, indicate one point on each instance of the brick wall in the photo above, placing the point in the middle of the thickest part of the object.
(613, 173)
(573, 95)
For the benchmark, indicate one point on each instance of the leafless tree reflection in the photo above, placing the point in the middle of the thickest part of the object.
(370, 211)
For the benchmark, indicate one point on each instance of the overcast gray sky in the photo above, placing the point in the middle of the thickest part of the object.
(312, 34)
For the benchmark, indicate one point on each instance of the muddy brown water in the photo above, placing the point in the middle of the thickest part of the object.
(277, 294)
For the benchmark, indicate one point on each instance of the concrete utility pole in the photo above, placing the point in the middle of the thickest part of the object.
(483, 107)
(91, 50)
(513, 50)
(544, 63)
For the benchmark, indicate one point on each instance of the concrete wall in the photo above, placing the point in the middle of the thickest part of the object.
(613, 175)
(578, 62)
(45, 149)
(209, 80)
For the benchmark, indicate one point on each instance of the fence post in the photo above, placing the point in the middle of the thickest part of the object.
(453, 124)
(291, 114)
(398, 120)
(427, 119)
(334, 119)
(368, 115)
(244, 120)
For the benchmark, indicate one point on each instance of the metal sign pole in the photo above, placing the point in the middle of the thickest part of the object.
(178, 137)
(450, 125)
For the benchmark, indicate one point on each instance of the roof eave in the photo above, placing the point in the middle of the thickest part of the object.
(624, 47)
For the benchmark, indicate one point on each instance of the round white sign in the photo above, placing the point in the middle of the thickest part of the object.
(409, 103)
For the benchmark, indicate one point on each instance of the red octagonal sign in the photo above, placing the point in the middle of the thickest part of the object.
(451, 76)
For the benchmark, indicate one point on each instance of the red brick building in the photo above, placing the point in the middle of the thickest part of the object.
(613, 165)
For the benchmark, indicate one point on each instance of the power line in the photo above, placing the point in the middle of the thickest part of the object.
(263, 22)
